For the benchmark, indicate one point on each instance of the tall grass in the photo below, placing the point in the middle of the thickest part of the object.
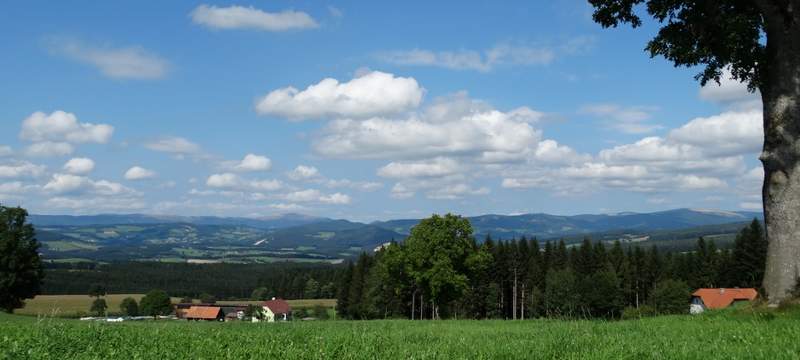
(720, 335)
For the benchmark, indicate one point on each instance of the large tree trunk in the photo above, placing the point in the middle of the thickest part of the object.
(780, 91)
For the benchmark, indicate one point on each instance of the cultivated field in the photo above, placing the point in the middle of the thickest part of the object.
(720, 336)
(75, 305)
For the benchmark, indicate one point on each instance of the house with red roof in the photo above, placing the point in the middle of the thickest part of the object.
(703, 299)
(207, 313)
(274, 310)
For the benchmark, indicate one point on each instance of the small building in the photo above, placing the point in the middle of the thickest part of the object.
(273, 310)
(207, 313)
(703, 299)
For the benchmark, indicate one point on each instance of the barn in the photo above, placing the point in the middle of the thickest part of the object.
(207, 313)
(703, 299)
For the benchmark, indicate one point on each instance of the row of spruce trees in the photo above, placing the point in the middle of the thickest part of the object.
(440, 271)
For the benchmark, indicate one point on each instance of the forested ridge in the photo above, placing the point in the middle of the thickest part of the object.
(225, 281)
(440, 271)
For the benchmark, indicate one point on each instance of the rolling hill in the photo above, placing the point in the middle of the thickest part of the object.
(545, 226)
(310, 239)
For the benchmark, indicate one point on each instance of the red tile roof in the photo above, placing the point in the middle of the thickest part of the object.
(202, 312)
(278, 306)
(722, 298)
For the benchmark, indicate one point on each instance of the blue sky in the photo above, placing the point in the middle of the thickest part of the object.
(358, 110)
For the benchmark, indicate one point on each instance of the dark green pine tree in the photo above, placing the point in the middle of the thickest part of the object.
(356, 307)
(638, 276)
(560, 258)
(749, 256)
(653, 270)
(547, 257)
(343, 292)
(600, 256)
(536, 268)
(617, 257)
(704, 265)
(582, 258)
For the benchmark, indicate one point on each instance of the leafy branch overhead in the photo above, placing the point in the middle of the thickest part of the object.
(717, 34)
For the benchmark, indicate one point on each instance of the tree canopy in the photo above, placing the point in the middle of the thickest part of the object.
(758, 41)
(718, 34)
(21, 271)
(156, 302)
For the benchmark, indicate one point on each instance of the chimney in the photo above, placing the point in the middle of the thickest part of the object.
(722, 290)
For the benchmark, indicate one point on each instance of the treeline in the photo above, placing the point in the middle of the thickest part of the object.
(440, 271)
(223, 281)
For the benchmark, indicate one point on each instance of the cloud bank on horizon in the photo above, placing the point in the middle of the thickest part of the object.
(271, 119)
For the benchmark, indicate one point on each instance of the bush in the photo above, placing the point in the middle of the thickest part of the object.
(601, 295)
(98, 307)
(129, 307)
(631, 312)
(261, 293)
(671, 297)
(207, 299)
(299, 314)
(321, 312)
(561, 293)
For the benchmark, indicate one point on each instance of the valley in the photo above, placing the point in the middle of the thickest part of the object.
(299, 238)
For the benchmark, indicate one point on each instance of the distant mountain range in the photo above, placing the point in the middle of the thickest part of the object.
(295, 237)
(552, 226)
(274, 222)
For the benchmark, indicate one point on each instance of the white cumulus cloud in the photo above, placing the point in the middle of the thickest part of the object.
(467, 130)
(372, 94)
(629, 120)
(253, 162)
(434, 168)
(240, 17)
(79, 166)
(303, 172)
(729, 133)
(730, 93)
(49, 149)
(74, 184)
(61, 126)
(235, 182)
(139, 173)
(21, 169)
(335, 198)
(178, 146)
(131, 62)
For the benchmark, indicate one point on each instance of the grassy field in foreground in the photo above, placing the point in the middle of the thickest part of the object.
(73, 305)
(722, 336)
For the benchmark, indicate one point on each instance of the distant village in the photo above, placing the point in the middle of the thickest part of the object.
(274, 310)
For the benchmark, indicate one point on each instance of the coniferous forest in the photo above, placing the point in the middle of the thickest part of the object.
(441, 271)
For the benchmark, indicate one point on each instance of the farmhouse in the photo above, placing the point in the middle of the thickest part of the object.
(208, 313)
(703, 299)
(273, 310)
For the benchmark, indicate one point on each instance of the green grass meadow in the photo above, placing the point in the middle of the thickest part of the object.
(725, 335)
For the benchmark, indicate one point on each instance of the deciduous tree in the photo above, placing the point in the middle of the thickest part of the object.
(21, 271)
(758, 41)
(129, 307)
(155, 303)
(98, 307)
